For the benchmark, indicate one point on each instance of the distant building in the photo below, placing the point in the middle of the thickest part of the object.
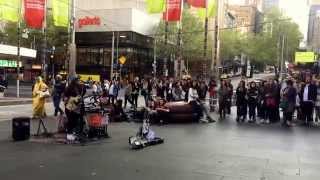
(245, 18)
(268, 4)
(314, 28)
(313, 2)
(97, 20)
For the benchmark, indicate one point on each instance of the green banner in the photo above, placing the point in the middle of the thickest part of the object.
(7, 63)
(60, 9)
(9, 10)
(156, 6)
(212, 10)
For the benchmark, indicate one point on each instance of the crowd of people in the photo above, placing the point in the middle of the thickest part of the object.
(260, 102)
(266, 100)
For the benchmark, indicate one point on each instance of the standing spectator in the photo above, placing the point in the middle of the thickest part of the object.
(169, 90)
(202, 91)
(111, 92)
(308, 96)
(95, 88)
(178, 92)
(127, 93)
(135, 92)
(288, 102)
(223, 94)
(58, 90)
(252, 101)
(146, 90)
(241, 101)
(161, 89)
(317, 108)
(271, 102)
(229, 99)
(261, 106)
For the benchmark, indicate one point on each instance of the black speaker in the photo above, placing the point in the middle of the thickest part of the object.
(20, 128)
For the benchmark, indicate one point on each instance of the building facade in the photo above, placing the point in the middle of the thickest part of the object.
(314, 28)
(245, 17)
(268, 4)
(99, 22)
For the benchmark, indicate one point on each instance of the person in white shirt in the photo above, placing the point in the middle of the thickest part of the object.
(193, 100)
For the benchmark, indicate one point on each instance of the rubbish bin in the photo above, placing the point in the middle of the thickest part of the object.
(20, 128)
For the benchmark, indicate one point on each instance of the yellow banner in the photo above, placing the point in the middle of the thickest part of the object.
(305, 57)
(86, 77)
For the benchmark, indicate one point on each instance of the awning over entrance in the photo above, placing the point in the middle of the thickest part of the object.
(7, 50)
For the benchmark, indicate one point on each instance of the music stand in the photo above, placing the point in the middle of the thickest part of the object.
(41, 124)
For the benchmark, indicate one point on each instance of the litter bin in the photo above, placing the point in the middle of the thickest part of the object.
(20, 128)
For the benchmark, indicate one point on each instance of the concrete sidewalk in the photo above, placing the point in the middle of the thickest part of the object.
(5, 101)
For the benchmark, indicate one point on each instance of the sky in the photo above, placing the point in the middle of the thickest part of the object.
(296, 9)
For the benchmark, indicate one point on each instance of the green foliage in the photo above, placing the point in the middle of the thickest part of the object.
(262, 48)
(192, 38)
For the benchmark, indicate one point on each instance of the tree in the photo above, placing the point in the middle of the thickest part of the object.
(266, 47)
(192, 38)
(262, 48)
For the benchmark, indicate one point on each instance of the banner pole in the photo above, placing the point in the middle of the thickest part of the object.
(18, 50)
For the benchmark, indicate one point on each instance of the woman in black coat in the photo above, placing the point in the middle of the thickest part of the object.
(241, 98)
(252, 101)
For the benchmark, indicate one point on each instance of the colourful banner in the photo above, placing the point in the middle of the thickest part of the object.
(197, 3)
(60, 9)
(34, 13)
(211, 11)
(173, 10)
(9, 10)
(305, 57)
(156, 6)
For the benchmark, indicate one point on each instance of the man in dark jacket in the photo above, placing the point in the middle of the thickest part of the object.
(308, 96)
(58, 90)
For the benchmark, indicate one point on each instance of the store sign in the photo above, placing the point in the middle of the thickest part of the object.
(122, 60)
(13, 50)
(89, 21)
(38, 67)
(7, 63)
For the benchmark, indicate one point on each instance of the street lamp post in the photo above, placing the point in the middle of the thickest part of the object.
(72, 46)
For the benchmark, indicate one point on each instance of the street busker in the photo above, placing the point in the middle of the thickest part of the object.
(223, 95)
(193, 100)
(288, 103)
(39, 93)
(271, 102)
(252, 101)
(73, 107)
(57, 93)
(241, 101)
(308, 97)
